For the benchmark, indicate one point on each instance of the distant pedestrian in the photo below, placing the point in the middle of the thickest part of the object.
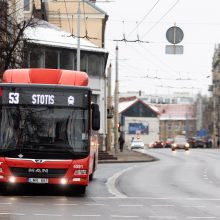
(210, 143)
(121, 141)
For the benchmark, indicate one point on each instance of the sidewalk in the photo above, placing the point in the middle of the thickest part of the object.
(128, 156)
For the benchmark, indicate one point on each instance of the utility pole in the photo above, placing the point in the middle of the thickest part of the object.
(78, 37)
(116, 102)
(109, 109)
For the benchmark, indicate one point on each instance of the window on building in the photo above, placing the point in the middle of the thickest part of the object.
(66, 60)
(169, 126)
(95, 65)
(51, 59)
(84, 62)
(153, 100)
(160, 101)
(36, 58)
(167, 101)
(26, 5)
(174, 101)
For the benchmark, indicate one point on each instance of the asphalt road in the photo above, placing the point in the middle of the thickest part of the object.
(181, 185)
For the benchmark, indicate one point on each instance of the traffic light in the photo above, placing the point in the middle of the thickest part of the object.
(119, 126)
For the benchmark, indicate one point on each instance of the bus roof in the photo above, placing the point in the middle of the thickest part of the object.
(45, 76)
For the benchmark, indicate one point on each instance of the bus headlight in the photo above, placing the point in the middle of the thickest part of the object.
(80, 172)
(63, 181)
(12, 179)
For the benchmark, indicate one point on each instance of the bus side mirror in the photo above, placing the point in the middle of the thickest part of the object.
(95, 117)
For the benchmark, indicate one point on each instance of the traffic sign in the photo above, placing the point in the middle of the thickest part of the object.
(174, 49)
(174, 35)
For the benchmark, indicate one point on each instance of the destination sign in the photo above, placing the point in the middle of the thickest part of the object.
(45, 96)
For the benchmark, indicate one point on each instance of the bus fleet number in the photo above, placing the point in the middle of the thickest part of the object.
(13, 97)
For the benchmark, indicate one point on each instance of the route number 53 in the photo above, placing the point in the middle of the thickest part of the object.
(13, 97)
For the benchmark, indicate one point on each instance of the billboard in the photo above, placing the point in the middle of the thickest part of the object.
(138, 128)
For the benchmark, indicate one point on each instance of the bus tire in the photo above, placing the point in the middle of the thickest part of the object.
(91, 176)
(3, 189)
(81, 190)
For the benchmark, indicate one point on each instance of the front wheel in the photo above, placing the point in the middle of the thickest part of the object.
(81, 190)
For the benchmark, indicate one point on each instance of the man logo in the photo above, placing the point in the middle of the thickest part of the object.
(71, 100)
(38, 161)
(33, 170)
(20, 155)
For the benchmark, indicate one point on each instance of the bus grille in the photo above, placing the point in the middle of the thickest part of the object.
(38, 172)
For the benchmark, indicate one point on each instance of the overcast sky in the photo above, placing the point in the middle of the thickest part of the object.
(145, 66)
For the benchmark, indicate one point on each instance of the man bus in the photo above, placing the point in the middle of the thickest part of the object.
(47, 128)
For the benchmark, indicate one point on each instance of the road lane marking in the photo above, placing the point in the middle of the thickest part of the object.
(95, 204)
(162, 205)
(86, 215)
(5, 203)
(112, 180)
(194, 206)
(124, 216)
(203, 199)
(131, 205)
(11, 213)
(66, 204)
(200, 217)
(52, 215)
(163, 217)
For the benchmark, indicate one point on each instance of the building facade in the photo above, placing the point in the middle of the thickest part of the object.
(216, 95)
(177, 119)
(138, 120)
(72, 16)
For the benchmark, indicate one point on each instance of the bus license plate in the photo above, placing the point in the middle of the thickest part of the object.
(37, 180)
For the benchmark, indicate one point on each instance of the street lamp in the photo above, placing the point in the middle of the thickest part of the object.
(116, 101)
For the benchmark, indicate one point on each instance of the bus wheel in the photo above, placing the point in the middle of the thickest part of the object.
(92, 174)
(3, 189)
(81, 190)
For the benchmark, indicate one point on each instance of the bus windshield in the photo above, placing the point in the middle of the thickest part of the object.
(43, 128)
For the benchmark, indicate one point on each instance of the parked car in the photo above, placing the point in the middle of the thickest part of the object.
(137, 144)
(196, 142)
(180, 142)
(156, 144)
(168, 143)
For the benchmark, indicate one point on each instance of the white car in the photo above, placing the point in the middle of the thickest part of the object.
(137, 144)
(180, 142)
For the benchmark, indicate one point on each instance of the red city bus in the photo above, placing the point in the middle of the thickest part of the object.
(48, 128)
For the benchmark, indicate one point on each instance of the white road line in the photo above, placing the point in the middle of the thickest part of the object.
(52, 215)
(2, 203)
(66, 204)
(95, 204)
(162, 205)
(11, 213)
(111, 183)
(194, 206)
(86, 215)
(131, 205)
(163, 217)
(124, 216)
(203, 199)
(200, 217)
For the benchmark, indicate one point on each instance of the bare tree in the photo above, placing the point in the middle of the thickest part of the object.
(12, 30)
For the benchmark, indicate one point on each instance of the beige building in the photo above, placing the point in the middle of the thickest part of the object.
(215, 89)
(177, 119)
(65, 14)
